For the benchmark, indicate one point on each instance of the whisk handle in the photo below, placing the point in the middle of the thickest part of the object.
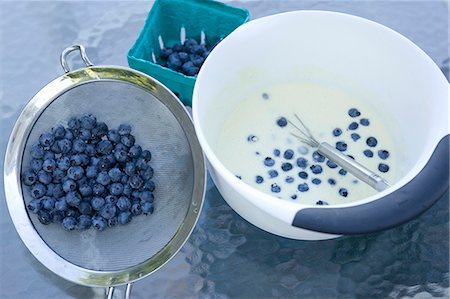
(355, 168)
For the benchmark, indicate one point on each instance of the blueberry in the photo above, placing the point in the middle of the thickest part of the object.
(121, 155)
(91, 172)
(136, 182)
(174, 62)
(135, 151)
(98, 189)
(353, 126)
(259, 179)
(273, 173)
(78, 146)
(188, 44)
(85, 134)
(59, 132)
(50, 188)
(150, 185)
(136, 208)
(112, 222)
(147, 174)
(364, 122)
(73, 198)
(252, 138)
(58, 175)
(73, 123)
(72, 212)
(100, 130)
(355, 136)
(205, 54)
(46, 139)
(29, 177)
(44, 217)
(57, 216)
(275, 188)
(383, 154)
(318, 157)
(61, 205)
(115, 174)
(331, 164)
(337, 132)
(353, 112)
(368, 153)
(147, 155)
(127, 190)
(130, 168)
(332, 181)
(371, 141)
(303, 187)
(276, 152)
(286, 166)
(289, 179)
(288, 154)
(90, 150)
(141, 164)
(303, 175)
(63, 163)
(75, 173)
(342, 171)
(124, 180)
(124, 217)
(322, 203)
(343, 192)
(165, 52)
(48, 203)
(197, 60)
(189, 68)
(116, 188)
(146, 196)
(55, 148)
(65, 145)
(34, 205)
(183, 56)
(282, 122)
(99, 223)
(38, 190)
(383, 167)
(84, 222)
(88, 121)
(104, 147)
(113, 136)
(85, 208)
(127, 140)
(85, 190)
(58, 191)
(69, 135)
(111, 199)
(44, 177)
(198, 49)
(97, 203)
(316, 181)
(76, 159)
(302, 162)
(48, 155)
(123, 203)
(316, 168)
(294, 196)
(103, 178)
(37, 152)
(341, 145)
(36, 164)
(136, 194)
(268, 161)
(147, 208)
(108, 211)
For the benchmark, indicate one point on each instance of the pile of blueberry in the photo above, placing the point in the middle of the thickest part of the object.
(88, 175)
(186, 58)
(283, 162)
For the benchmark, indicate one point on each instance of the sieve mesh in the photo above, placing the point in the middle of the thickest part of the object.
(156, 129)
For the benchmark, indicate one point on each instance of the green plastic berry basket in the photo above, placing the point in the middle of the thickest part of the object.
(165, 20)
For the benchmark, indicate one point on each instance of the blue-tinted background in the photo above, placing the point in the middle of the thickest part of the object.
(226, 257)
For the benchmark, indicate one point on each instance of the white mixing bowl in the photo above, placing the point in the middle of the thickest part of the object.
(355, 55)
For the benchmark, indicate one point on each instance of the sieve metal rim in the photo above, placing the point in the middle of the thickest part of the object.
(13, 164)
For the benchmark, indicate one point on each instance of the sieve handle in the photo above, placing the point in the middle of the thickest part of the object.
(110, 293)
(70, 49)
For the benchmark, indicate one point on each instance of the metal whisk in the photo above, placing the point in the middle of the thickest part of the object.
(355, 168)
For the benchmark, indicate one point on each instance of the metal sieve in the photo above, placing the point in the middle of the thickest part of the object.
(160, 123)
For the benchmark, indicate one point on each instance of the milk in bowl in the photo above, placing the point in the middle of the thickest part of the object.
(257, 143)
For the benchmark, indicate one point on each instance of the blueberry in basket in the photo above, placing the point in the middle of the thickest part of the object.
(87, 175)
(186, 58)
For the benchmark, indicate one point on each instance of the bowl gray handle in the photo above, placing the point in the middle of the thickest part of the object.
(393, 209)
